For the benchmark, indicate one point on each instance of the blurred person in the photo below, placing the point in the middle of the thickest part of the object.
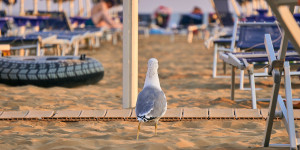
(162, 16)
(195, 17)
(197, 11)
(100, 16)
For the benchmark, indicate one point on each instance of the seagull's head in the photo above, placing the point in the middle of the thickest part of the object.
(153, 64)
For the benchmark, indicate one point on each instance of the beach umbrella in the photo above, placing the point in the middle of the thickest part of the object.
(115, 2)
(56, 1)
(71, 6)
(60, 7)
(10, 2)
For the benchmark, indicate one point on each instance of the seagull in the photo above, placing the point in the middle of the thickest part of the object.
(151, 102)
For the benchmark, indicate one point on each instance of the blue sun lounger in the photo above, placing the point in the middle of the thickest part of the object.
(261, 17)
(72, 36)
(27, 42)
(65, 39)
(35, 21)
(228, 44)
(250, 61)
(251, 44)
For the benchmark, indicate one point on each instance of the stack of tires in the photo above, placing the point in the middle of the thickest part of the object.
(67, 71)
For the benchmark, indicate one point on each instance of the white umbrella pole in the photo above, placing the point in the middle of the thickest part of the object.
(48, 3)
(80, 6)
(71, 8)
(22, 10)
(88, 8)
(35, 8)
(60, 5)
(236, 9)
(130, 53)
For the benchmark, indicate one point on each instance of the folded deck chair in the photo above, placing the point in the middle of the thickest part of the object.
(278, 108)
(226, 18)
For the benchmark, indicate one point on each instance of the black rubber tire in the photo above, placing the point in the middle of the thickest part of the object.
(67, 71)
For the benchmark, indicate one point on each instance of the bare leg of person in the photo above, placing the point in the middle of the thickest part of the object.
(101, 16)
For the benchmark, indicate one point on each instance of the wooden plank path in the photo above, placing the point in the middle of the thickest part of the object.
(173, 114)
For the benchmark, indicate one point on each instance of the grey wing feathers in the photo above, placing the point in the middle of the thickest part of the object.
(160, 106)
(151, 102)
(144, 103)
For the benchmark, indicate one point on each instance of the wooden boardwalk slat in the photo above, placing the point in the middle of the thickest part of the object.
(65, 115)
(194, 113)
(132, 117)
(13, 115)
(221, 113)
(297, 114)
(248, 114)
(173, 114)
(117, 114)
(264, 113)
(92, 114)
(38, 114)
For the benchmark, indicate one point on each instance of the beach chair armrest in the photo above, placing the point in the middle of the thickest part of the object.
(232, 60)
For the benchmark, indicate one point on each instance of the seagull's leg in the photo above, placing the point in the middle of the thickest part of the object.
(156, 122)
(139, 128)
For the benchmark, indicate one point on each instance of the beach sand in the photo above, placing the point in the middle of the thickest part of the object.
(185, 72)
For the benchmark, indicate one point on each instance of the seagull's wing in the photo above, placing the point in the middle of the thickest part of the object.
(145, 102)
(151, 104)
(160, 105)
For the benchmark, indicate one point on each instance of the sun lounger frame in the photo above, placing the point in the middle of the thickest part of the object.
(242, 65)
(233, 48)
(277, 65)
(38, 46)
(291, 32)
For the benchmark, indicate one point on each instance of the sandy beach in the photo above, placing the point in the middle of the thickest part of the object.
(185, 72)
